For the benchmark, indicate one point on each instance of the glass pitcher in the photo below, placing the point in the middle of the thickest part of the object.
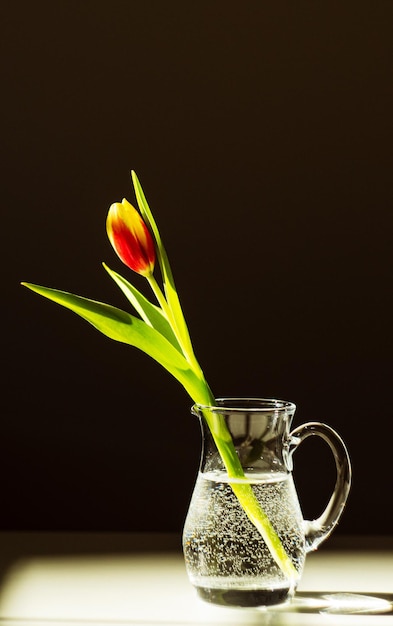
(226, 557)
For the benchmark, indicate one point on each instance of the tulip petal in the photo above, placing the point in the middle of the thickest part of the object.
(131, 238)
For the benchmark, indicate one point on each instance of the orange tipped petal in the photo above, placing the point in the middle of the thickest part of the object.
(131, 238)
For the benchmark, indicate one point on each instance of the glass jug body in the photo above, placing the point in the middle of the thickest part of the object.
(227, 558)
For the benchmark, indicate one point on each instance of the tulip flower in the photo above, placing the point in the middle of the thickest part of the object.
(161, 332)
(131, 238)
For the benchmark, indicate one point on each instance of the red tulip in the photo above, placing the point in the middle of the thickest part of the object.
(131, 238)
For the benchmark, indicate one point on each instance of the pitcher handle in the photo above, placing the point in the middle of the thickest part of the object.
(316, 531)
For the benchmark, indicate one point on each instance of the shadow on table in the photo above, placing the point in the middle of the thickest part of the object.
(343, 603)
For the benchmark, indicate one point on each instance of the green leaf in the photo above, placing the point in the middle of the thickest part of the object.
(167, 276)
(150, 313)
(121, 326)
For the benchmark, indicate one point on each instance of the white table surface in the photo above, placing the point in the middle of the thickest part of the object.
(141, 580)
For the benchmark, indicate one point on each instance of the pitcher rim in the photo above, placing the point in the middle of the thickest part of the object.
(255, 404)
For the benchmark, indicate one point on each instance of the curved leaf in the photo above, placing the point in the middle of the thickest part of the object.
(121, 326)
(167, 276)
(150, 313)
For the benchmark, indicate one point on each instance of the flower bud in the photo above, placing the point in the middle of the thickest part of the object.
(131, 238)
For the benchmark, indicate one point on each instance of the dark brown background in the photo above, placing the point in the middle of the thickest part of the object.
(262, 134)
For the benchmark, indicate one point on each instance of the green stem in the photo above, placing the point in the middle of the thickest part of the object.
(190, 356)
(242, 489)
(160, 297)
(224, 443)
(245, 494)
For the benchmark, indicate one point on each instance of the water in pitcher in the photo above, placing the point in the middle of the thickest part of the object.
(226, 557)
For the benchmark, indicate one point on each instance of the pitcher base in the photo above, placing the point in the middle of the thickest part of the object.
(245, 597)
